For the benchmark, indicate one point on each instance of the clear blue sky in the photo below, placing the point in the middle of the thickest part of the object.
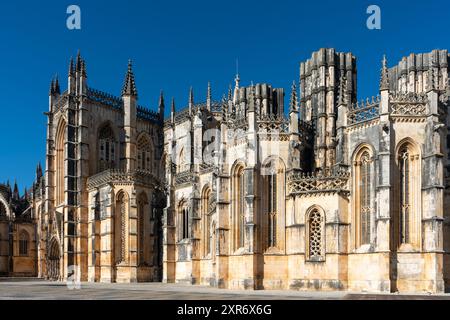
(176, 44)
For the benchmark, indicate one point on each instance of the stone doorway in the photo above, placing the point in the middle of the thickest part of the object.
(54, 256)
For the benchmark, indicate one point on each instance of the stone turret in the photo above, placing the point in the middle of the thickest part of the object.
(411, 73)
(319, 81)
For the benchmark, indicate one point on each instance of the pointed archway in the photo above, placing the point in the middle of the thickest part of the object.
(54, 255)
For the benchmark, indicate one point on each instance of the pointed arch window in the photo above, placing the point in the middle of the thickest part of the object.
(315, 235)
(206, 208)
(60, 170)
(408, 220)
(107, 148)
(405, 203)
(362, 195)
(238, 189)
(24, 240)
(364, 198)
(183, 221)
(182, 165)
(121, 224)
(272, 209)
(144, 160)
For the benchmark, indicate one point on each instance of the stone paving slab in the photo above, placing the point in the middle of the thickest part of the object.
(24, 289)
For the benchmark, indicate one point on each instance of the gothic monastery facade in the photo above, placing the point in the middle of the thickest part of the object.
(325, 193)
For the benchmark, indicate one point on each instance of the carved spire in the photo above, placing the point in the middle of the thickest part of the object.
(384, 82)
(293, 103)
(57, 89)
(230, 93)
(191, 100)
(52, 87)
(191, 95)
(172, 110)
(236, 89)
(83, 68)
(71, 68)
(16, 191)
(79, 62)
(161, 105)
(38, 171)
(129, 86)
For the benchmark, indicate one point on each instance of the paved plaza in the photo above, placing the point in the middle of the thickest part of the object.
(30, 289)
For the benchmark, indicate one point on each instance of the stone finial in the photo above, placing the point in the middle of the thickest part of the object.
(52, 87)
(38, 171)
(83, 69)
(236, 89)
(384, 82)
(161, 100)
(191, 99)
(16, 190)
(80, 65)
(161, 105)
(191, 95)
(129, 86)
(172, 110)
(208, 96)
(293, 103)
(230, 93)
(57, 89)
(79, 62)
(71, 68)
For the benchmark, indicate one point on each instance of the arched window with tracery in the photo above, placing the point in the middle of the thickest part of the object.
(363, 175)
(24, 240)
(405, 203)
(144, 154)
(315, 250)
(107, 148)
(408, 220)
(60, 171)
(206, 217)
(120, 227)
(238, 190)
(270, 176)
